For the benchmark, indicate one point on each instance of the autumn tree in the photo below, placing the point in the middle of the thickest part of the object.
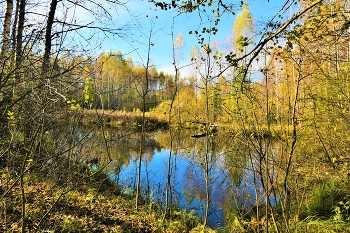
(299, 81)
(38, 77)
(243, 29)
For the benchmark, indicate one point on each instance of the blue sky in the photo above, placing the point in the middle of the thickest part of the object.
(141, 14)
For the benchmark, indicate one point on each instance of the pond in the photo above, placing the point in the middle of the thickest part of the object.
(215, 170)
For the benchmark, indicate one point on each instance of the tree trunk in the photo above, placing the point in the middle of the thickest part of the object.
(48, 43)
(19, 36)
(6, 35)
(18, 45)
(14, 25)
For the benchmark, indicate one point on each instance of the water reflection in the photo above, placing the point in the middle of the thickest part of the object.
(211, 175)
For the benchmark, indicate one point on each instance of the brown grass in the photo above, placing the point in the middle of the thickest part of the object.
(123, 118)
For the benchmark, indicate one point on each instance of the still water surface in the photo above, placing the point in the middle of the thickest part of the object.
(187, 181)
(185, 163)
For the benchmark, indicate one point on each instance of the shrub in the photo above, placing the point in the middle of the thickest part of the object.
(326, 196)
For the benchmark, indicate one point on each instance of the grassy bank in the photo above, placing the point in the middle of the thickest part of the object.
(93, 205)
(120, 119)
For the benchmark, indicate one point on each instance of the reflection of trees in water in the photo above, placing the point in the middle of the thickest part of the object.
(236, 166)
(194, 184)
(219, 171)
(235, 174)
(206, 179)
(123, 145)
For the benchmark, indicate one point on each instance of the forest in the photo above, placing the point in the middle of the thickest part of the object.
(262, 123)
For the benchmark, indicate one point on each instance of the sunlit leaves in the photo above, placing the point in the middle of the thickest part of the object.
(243, 27)
(89, 91)
(73, 104)
(179, 41)
(207, 48)
(10, 116)
(218, 55)
(242, 42)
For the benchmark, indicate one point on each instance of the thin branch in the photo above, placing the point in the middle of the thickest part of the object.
(255, 52)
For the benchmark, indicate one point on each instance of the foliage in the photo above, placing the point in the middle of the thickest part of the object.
(89, 92)
(327, 197)
(242, 28)
(291, 119)
(313, 224)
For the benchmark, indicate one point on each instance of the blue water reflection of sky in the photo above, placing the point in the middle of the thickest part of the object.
(188, 176)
